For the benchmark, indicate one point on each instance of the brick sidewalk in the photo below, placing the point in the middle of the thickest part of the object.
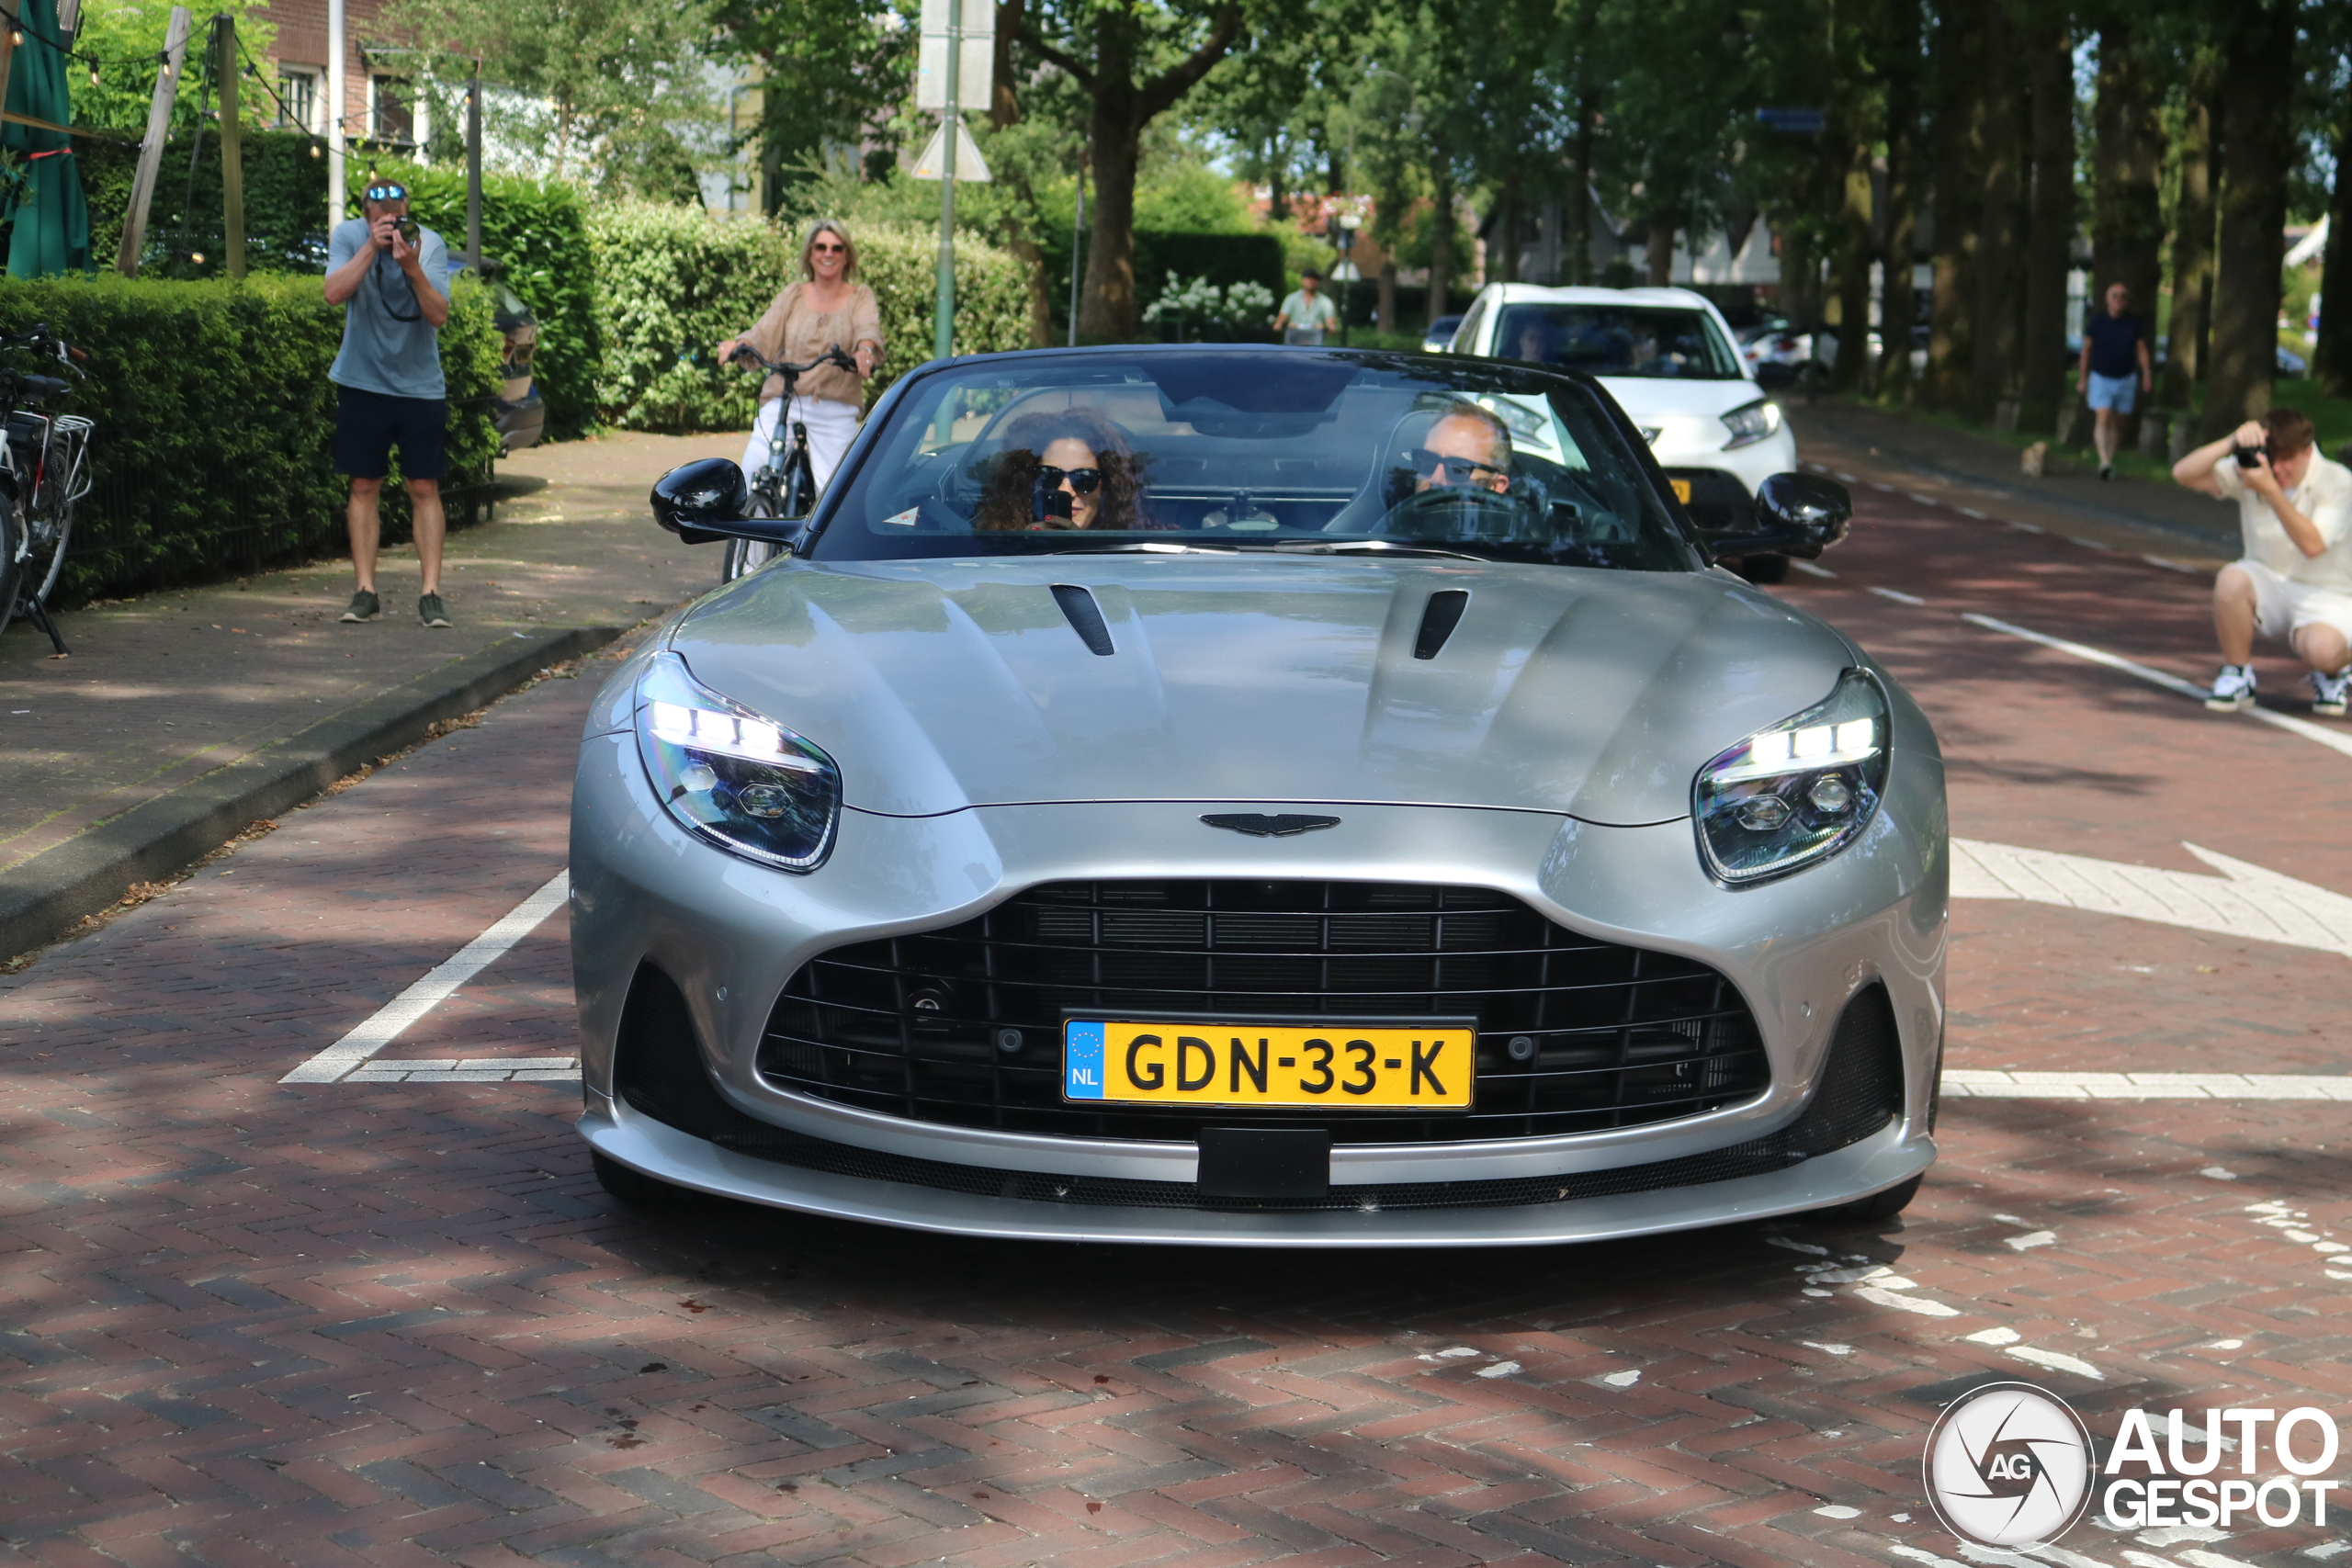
(164, 688)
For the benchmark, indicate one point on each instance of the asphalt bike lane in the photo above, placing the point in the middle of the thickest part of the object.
(390, 1317)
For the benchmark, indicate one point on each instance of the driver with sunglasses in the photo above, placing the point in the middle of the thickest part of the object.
(391, 278)
(1467, 446)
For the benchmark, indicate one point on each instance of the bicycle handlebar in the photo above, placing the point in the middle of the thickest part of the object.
(833, 355)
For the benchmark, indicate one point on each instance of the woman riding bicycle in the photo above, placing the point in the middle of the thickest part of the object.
(809, 317)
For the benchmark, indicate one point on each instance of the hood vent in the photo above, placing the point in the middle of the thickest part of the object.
(1442, 613)
(1085, 617)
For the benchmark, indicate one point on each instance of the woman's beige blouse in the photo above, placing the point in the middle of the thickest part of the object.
(809, 332)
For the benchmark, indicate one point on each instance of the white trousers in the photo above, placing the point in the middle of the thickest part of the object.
(831, 427)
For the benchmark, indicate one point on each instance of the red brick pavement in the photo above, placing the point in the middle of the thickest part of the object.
(258, 1324)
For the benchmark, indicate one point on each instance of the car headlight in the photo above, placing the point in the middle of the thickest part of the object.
(1795, 792)
(1751, 422)
(742, 780)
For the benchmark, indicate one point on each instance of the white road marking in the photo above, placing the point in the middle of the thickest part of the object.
(2173, 565)
(1969, 512)
(1623, 1380)
(2331, 738)
(2246, 900)
(483, 1069)
(1923, 499)
(395, 1016)
(2032, 1239)
(1897, 595)
(2026, 528)
(1981, 1083)
(2090, 544)
(1994, 1336)
(1499, 1370)
(2056, 1361)
(1811, 569)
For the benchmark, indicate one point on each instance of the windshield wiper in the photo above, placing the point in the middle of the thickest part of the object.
(1362, 547)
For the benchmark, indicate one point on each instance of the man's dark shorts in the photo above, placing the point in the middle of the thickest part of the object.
(367, 425)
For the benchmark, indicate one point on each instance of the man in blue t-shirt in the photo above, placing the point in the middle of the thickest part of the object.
(2113, 372)
(391, 278)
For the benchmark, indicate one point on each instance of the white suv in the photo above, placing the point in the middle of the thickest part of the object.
(1669, 360)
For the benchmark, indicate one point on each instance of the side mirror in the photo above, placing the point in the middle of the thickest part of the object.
(1796, 515)
(702, 502)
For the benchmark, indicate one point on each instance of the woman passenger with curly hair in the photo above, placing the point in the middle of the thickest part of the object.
(1076, 459)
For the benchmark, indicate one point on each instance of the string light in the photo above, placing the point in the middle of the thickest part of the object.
(17, 38)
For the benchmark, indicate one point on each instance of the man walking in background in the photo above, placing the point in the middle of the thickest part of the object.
(1305, 315)
(391, 278)
(2295, 578)
(2113, 373)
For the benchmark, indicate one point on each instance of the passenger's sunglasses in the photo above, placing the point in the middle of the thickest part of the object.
(1085, 481)
(388, 193)
(1450, 471)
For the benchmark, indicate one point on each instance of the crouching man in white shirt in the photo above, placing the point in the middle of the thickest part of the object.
(2294, 580)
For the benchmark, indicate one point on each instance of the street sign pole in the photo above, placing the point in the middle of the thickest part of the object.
(943, 327)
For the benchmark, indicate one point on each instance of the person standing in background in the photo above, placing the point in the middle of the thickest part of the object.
(391, 278)
(1305, 315)
(827, 307)
(2113, 372)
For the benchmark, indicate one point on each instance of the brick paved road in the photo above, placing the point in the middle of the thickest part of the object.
(251, 1323)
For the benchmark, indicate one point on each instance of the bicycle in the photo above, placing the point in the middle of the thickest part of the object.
(41, 479)
(788, 492)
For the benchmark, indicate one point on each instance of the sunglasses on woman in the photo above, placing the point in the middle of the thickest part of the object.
(828, 250)
(1084, 482)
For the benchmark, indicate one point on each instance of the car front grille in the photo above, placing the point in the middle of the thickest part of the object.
(963, 1025)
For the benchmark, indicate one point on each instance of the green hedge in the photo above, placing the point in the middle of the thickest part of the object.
(215, 417)
(674, 282)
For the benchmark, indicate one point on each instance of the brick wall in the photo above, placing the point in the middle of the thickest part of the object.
(302, 42)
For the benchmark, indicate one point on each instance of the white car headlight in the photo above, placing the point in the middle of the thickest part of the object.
(1798, 792)
(744, 782)
(1751, 422)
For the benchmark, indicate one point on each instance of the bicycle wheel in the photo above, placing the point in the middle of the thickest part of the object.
(45, 563)
(12, 570)
(745, 555)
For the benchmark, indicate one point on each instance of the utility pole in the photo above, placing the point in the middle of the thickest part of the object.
(943, 324)
(333, 114)
(473, 166)
(232, 149)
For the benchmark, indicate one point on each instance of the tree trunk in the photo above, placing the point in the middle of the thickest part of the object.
(2127, 210)
(1108, 313)
(2257, 153)
(1580, 199)
(2049, 74)
(1960, 196)
(1277, 173)
(1658, 251)
(2192, 243)
(1847, 152)
(2000, 258)
(1898, 307)
(2332, 359)
(1440, 232)
(1387, 295)
(1506, 227)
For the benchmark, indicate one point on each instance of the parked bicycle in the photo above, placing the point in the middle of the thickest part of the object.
(43, 476)
(786, 489)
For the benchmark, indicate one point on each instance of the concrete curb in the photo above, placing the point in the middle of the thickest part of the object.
(46, 894)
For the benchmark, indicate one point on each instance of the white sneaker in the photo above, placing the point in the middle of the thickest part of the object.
(2233, 689)
(2328, 693)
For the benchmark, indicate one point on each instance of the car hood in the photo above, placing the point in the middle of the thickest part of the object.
(942, 684)
(1646, 399)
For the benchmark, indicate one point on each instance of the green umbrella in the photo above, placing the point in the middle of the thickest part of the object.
(53, 222)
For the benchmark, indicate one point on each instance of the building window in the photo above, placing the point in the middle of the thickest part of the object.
(299, 94)
(392, 108)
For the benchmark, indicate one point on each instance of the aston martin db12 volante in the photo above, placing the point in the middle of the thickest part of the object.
(1267, 797)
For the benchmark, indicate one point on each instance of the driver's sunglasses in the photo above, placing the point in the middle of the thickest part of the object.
(1085, 481)
(388, 193)
(1452, 470)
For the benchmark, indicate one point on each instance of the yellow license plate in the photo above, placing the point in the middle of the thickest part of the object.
(1324, 1064)
(1681, 491)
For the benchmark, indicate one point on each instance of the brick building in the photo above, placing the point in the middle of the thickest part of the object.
(378, 104)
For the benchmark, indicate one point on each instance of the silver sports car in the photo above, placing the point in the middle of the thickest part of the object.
(1258, 795)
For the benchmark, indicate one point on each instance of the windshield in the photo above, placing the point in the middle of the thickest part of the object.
(1242, 449)
(1617, 339)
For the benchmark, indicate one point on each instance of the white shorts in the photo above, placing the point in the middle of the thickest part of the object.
(831, 427)
(2283, 606)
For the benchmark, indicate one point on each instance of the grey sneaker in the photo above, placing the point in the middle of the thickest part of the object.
(365, 606)
(2328, 693)
(429, 611)
(2233, 689)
